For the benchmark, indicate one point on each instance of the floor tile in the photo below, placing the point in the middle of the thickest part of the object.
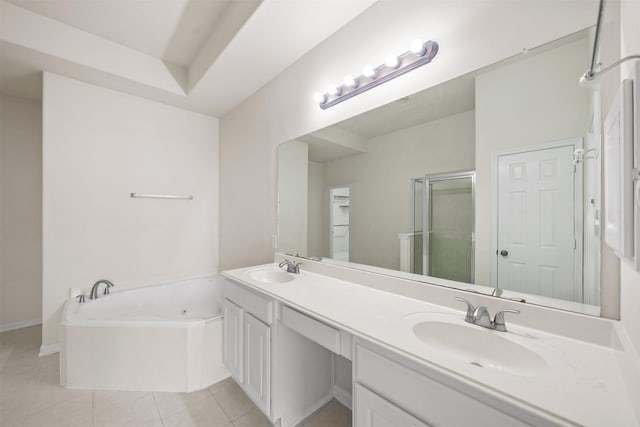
(253, 418)
(70, 413)
(232, 399)
(111, 400)
(48, 391)
(169, 403)
(205, 412)
(141, 412)
(333, 414)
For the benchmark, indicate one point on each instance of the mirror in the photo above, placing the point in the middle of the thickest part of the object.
(489, 182)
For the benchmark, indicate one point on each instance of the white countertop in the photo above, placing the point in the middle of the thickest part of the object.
(582, 382)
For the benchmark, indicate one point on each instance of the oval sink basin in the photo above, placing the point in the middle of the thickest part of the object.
(480, 347)
(270, 275)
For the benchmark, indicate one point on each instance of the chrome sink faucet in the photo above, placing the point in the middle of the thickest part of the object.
(292, 267)
(480, 316)
(94, 288)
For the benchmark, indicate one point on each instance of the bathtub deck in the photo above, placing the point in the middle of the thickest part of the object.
(30, 395)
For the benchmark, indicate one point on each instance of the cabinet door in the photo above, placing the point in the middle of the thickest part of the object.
(232, 345)
(257, 362)
(371, 410)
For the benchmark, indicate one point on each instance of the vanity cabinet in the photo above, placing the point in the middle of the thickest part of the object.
(372, 410)
(232, 339)
(257, 361)
(247, 342)
(393, 390)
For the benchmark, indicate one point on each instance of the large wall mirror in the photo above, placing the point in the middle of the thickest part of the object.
(489, 182)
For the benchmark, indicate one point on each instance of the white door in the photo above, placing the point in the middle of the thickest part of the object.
(371, 410)
(536, 223)
(232, 345)
(257, 366)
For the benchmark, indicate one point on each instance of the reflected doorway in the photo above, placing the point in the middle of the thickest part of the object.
(339, 225)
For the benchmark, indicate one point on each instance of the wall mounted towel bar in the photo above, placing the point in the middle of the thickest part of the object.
(160, 196)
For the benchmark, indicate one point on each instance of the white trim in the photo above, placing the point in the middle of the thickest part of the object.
(21, 324)
(342, 396)
(48, 349)
(578, 213)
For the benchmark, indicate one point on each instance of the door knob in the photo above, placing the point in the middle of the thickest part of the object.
(504, 252)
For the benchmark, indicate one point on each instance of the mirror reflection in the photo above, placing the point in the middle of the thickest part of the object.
(478, 183)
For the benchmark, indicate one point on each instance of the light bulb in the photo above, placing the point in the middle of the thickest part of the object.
(392, 61)
(417, 47)
(319, 98)
(369, 71)
(334, 90)
(349, 81)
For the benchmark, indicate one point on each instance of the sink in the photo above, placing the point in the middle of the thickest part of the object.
(270, 275)
(481, 347)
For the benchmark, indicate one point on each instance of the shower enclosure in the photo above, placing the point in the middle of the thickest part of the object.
(443, 226)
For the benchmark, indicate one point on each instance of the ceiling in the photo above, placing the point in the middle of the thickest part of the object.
(178, 52)
(173, 30)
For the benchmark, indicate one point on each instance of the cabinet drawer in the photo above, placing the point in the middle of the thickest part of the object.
(371, 410)
(261, 307)
(311, 328)
(422, 396)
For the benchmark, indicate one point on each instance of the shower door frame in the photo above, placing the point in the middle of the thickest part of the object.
(425, 214)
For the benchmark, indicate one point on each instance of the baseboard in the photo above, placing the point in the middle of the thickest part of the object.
(342, 396)
(18, 325)
(48, 349)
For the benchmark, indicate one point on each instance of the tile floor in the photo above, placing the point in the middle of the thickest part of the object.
(31, 395)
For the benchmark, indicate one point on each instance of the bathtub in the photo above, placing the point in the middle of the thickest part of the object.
(155, 338)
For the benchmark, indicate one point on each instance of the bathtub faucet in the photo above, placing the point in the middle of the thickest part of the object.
(94, 288)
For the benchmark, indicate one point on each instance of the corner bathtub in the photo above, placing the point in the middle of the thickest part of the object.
(155, 338)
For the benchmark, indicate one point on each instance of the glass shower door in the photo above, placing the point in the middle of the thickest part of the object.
(449, 218)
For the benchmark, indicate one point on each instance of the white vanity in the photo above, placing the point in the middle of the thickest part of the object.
(415, 362)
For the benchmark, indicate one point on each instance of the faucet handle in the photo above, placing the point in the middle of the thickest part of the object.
(498, 319)
(470, 310)
(296, 267)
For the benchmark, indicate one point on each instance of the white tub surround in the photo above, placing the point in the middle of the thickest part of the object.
(155, 338)
(576, 369)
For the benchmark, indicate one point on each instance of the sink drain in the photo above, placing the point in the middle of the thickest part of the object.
(184, 311)
(477, 364)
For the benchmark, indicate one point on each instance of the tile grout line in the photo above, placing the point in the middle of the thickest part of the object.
(155, 402)
(220, 405)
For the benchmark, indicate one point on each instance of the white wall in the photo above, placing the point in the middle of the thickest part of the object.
(471, 34)
(530, 102)
(630, 279)
(380, 181)
(98, 147)
(292, 197)
(20, 210)
(318, 232)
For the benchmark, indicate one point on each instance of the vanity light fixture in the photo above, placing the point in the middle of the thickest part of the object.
(419, 54)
